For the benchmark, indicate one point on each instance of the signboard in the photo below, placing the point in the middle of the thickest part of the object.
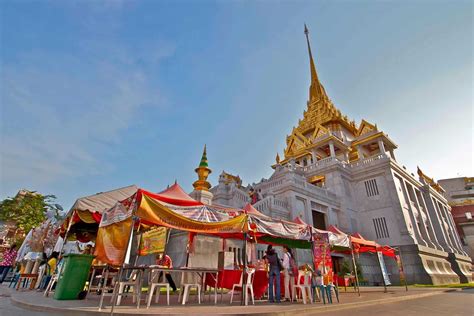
(153, 241)
(383, 268)
(400, 269)
(322, 254)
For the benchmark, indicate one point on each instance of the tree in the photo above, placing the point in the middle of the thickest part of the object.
(29, 209)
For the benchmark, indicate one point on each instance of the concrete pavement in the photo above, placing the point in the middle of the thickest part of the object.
(455, 303)
(370, 298)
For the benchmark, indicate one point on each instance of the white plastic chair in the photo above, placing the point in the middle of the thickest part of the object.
(249, 286)
(133, 281)
(304, 287)
(51, 283)
(156, 284)
(54, 279)
(41, 274)
(186, 287)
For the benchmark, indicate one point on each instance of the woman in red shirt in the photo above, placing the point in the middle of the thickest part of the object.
(164, 261)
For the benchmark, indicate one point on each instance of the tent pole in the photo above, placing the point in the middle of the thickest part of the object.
(355, 270)
(244, 272)
(188, 250)
(127, 257)
(312, 248)
(403, 269)
(67, 232)
(167, 239)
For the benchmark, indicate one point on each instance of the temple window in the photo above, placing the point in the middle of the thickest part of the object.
(381, 229)
(371, 187)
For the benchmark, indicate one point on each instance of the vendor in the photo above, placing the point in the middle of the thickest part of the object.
(164, 261)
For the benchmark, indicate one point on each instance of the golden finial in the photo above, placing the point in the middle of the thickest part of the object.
(316, 91)
(277, 158)
(203, 172)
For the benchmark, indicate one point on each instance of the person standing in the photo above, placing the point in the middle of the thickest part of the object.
(289, 274)
(164, 261)
(273, 274)
(9, 258)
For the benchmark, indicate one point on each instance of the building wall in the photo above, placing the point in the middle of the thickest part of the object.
(376, 197)
(460, 195)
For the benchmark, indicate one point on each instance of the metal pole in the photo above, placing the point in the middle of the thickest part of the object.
(403, 269)
(67, 232)
(188, 248)
(355, 270)
(244, 272)
(129, 249)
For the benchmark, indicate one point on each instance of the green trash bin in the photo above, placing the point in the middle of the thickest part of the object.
(73, 276)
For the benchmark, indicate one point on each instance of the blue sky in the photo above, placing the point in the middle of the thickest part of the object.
(97, 95)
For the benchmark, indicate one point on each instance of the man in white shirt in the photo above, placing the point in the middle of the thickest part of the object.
(289, 279)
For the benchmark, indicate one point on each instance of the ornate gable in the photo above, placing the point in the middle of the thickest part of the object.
(319, 131)
(296, 142)
(366, 127)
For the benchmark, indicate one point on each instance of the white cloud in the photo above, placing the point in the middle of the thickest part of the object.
(61, 113)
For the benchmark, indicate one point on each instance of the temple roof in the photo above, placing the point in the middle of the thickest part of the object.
(204, 162)
(430, 181)
(320, 111)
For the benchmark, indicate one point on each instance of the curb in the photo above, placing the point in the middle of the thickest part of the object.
(297, 311)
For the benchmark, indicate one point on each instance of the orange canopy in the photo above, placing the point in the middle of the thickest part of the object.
(361, 245)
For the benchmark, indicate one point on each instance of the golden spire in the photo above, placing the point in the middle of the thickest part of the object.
(316, 90)
(203, 172)
(277, 158)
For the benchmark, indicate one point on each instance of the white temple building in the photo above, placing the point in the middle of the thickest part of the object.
(335, 172)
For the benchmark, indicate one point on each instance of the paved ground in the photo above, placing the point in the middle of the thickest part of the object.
(457, 303)
(396, 302)
(8, 309)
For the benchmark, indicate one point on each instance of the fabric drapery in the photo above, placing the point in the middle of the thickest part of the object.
(112, 241)
(152, 211)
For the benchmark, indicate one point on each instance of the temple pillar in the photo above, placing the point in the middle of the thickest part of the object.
(346, 156)
(313, 156)
(359, 151)
(331, 149)
(381, 147)
(392, 154)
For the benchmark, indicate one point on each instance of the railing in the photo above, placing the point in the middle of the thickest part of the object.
(241, 195)
(270, 204)
(322, 163)
(367, 161)
(270, 184)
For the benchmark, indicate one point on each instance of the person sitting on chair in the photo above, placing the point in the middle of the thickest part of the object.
(164, 261)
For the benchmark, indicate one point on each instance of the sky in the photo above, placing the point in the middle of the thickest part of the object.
(97, 95)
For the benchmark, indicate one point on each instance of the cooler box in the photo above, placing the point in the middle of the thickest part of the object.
(73, 276)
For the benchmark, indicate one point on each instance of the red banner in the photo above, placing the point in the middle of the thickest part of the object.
(322, 255)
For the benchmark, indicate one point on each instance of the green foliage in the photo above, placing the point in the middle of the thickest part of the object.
(28, 210)
(346, 268)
